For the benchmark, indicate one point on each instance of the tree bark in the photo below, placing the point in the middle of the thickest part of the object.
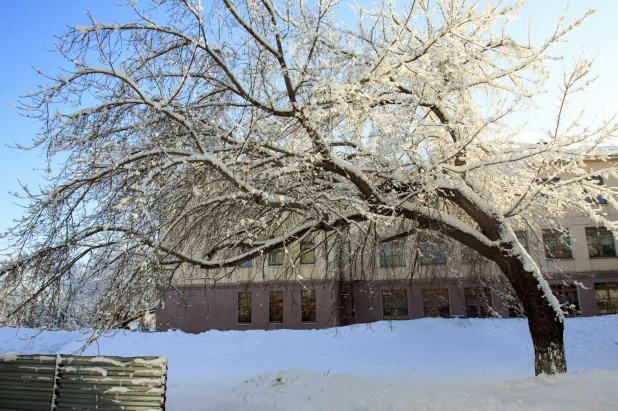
(546, 328)
(548, 341)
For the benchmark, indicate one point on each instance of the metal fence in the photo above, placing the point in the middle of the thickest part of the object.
(69, 382)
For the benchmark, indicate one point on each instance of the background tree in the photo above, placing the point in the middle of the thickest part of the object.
(203, 138)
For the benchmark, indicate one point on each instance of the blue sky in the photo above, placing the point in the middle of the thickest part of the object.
(27, 29)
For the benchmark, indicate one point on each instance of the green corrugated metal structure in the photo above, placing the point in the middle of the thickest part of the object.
(69, 382)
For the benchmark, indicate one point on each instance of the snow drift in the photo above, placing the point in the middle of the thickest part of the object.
(427, 364)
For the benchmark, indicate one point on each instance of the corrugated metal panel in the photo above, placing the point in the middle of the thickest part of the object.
(82, 383)
(26, 382)
(111, 383)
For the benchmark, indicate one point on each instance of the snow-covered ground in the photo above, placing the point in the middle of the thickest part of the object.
(427, 364)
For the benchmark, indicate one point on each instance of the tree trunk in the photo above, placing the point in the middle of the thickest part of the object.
(548, 341)
(546, 329)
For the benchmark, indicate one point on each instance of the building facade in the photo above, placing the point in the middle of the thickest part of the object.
(319, 285)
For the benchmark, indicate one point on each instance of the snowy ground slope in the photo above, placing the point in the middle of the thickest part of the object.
(427, 364)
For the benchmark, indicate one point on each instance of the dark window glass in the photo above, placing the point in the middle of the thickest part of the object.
(275, 307)
(436, 303)
(557, 244)
(567, 297)
(600, 242)
(392, 254)
(395, 304)
(246, 263)
(516, 309)
(308, 307)
(478, 302)
(467, 255)
(275, 258)
(307, 253)
(244, 308)
(607, 298)
(598, 180)
(432, 251)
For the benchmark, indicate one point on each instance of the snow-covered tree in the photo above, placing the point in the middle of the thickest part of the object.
(64, 305)
(206, 136)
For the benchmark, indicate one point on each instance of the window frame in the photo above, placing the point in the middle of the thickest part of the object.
(271, 258)
(435, 308)
(560, 292)
(599, 199)
(396, 256)
(244, 296)
(304, 245)
(468, 255)
(395, 296)
(612, 302)
(481, 295)
(308, 306)
(248, 263)
(597, 232)
(557, 236)
(275, 305)
(433, 258)
(522, 234)
(513, 303)
(516, 309)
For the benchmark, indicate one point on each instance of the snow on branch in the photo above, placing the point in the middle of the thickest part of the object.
(206, 139)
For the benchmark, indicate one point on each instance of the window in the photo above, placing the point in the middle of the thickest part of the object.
(275, 307)
(391, 254)
(597, 180)
(478, 302)
(522, 237)
(600, 242)
(436, 303)
(607, 298)
(308, 307)
(467, 255)
(432, 251)
(395, 304)
(244, 308)
(275, 258)
(567, 297)
(246, 263)
(516, 309)
(557, 244)
(307, 253)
